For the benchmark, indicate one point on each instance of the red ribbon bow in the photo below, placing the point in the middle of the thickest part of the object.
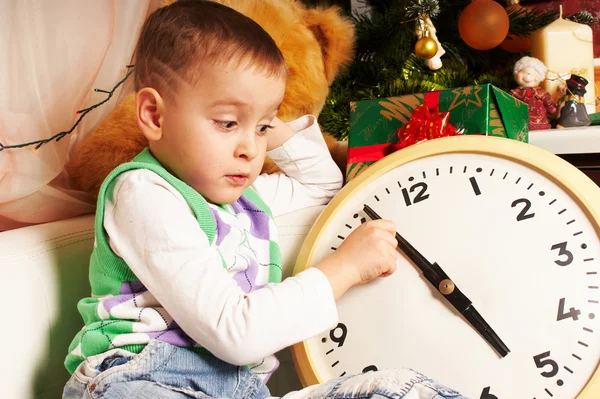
(425, 124)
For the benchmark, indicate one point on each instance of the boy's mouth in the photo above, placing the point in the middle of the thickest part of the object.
(238, 179)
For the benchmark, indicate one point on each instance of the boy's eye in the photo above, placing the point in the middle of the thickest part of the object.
(263, 128)
(226, 124)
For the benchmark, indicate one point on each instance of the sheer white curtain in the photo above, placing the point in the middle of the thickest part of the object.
(55, 52)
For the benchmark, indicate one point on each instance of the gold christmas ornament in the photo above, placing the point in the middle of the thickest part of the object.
(425, 28)
(426, 48)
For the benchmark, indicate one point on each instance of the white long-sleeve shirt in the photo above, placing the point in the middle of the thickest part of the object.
(151, 226)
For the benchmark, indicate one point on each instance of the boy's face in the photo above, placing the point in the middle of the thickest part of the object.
(214, 134)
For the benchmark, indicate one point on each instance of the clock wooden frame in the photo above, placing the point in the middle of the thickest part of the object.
(581, 189)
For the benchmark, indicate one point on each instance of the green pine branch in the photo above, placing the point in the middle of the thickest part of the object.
(583, 17)
(418, 8)
(524, 22)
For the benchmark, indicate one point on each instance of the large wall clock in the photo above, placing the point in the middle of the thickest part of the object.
(514, 228)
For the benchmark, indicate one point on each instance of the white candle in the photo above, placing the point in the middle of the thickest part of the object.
(566, 48)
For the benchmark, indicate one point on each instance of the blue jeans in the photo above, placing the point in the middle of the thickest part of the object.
(165, 371)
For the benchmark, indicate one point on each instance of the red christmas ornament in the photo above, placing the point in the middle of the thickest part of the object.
(516, 44)
(483, 24)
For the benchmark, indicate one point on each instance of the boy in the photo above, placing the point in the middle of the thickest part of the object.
(185, 248)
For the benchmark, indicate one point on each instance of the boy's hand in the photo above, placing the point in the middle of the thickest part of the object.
(279, 134)
(367, 253)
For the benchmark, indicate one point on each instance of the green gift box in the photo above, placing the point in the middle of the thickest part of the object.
(483, 109)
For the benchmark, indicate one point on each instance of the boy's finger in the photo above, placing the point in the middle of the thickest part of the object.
(385, 224)
(391, 239)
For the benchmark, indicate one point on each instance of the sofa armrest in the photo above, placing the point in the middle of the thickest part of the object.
(44, 272)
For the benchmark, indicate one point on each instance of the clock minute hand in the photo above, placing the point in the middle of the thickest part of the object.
(441, 282)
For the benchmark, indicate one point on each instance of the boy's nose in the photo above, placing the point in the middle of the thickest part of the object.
(247, 147)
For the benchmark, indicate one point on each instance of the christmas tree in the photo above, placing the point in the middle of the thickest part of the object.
(385, 62)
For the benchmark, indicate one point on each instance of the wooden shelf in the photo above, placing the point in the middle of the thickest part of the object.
(578, 146)
(572, 140)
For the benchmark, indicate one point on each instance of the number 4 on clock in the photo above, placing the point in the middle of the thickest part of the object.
(572, 313)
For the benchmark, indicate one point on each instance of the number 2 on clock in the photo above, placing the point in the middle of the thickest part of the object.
(523, 215)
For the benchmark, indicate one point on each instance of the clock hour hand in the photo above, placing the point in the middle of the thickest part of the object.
(441, 282)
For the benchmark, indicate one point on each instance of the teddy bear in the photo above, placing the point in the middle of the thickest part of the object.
(317, 43)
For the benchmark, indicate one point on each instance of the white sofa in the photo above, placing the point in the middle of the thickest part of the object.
(44, 271)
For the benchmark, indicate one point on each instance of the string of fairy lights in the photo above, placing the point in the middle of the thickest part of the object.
(82, 113)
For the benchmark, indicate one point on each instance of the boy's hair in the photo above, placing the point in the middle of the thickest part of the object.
(178, 40)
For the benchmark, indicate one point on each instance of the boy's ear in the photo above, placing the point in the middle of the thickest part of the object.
(335, 35)
(164, 3)
(150, 109)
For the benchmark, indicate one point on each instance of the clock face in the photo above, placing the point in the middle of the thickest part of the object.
(518, 245)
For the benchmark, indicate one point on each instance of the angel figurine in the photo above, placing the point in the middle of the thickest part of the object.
(529, 72)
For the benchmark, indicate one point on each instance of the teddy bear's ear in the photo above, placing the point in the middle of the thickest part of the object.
(335, 34)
